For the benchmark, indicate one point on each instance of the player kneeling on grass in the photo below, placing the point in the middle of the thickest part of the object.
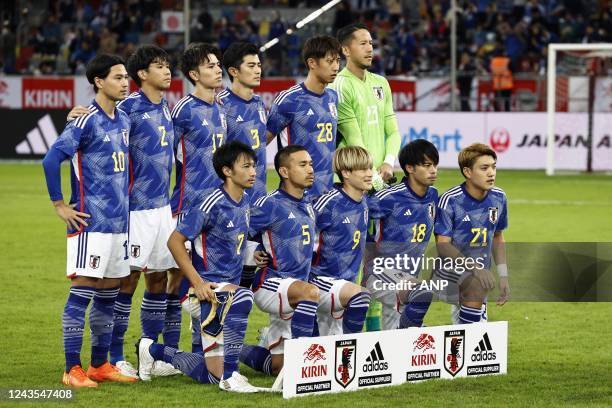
(218, 228)
(286, 219)
(407, 215)
(469, 228)
(342, 223)
(97, 219)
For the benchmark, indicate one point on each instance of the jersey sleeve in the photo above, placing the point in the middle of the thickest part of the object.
(443, 224)
(324, 216)
(503, 217)
(262, 216)
(71, 138)
(193, 223)
(348, 125)
(279, 117)
(392, 135)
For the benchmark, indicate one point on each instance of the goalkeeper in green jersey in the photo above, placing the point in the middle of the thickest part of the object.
(366, 117)
(365, 104)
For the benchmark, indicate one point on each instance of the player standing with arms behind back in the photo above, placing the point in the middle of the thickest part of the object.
(469, 224)
(97, 219)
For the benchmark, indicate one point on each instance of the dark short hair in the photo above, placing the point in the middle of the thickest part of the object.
(345, 34)
(100, 66)
(194, 55)
(144, 56)
(416, 152)
(227, 155)
(235, 53)
(318, 47)
(282, 156)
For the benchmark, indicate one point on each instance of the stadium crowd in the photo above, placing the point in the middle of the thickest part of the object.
(412, 36)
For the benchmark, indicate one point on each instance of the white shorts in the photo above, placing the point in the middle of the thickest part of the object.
(212, 348)
(149, 233)
(330, 311)
(98, 255)
(272, 297)
(391, 305)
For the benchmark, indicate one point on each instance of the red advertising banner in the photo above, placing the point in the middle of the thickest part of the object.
(48, 93)
(530, 87)
(269, 88)
(404, 95)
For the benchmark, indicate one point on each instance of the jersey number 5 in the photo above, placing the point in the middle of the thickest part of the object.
(306, 235)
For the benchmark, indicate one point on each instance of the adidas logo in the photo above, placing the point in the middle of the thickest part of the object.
(146, 116)
(39, 139)
(230, 224)
(466, 218)
(375, 361)
(346, 220)
(484, 350)
(106, 138)
(239, 119)
(204, 123)
(408, 212)
(291, 216)
(310, 112)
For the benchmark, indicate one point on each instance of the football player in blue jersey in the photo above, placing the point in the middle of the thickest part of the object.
(342, 222)
(246, 119)
(200, 129)
(469, 229)
(97, 219)
(308, 111)
(218, 227)
(407, 216)
(286, 220)
(151, 154)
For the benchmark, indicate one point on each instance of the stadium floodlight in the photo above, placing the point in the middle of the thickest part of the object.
(300, 24)
(598, 51)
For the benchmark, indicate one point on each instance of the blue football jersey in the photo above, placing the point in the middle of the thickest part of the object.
(218, 228)
(471, 223)
(406, 222)
(311, 120)
(151, 151)
(288, 227)
(246, 123)
(99, 175)
(199, 129)
(342, 225)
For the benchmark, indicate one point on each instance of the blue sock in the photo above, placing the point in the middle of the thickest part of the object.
(258, 358)
(101, 324)
(469, 314)
(153, 314)
(302, 322)
(123, 305)
(415, 309)
(73, 323)
(192, 364)
(172, 324)
(196, 336)
(355, 313)
(234, 329)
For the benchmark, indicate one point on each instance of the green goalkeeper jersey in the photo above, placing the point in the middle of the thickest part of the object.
(366, 117)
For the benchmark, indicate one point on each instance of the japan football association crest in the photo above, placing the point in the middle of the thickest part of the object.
(94, 261)
(166, 112)
(125, 134)
(135, 251)
(346, 359)
(493, 214)
(378, 92)
(431, 210)
(332, 110)
(454, 350)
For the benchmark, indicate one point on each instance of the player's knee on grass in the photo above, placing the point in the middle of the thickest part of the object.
(277, 363)
(174, 281)
(156, 282)
(214, 365)
(472, 291)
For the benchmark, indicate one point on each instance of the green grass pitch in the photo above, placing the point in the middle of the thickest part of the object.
(559, 353)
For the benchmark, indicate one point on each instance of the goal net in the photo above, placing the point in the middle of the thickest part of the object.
(579, 108)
